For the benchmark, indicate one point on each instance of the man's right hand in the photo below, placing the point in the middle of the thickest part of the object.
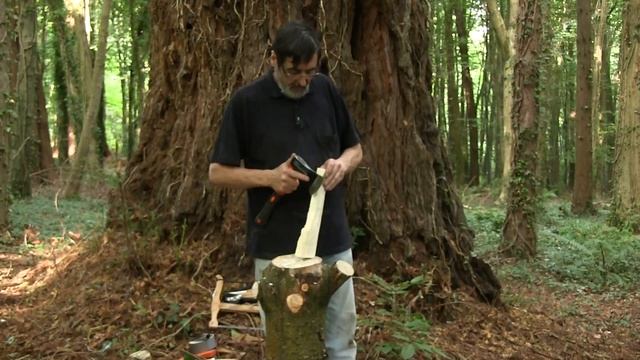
(285, 179)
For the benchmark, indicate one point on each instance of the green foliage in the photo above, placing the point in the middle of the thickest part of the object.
(53, 218)
(582, 253)
(587, 252)
(487, 224)
(408, 331)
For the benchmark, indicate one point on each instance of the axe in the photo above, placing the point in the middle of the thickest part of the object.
(298, 164)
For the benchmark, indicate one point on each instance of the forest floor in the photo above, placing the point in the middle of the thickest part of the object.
(76, 292)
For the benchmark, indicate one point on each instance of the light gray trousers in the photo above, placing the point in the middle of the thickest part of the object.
(340, 322)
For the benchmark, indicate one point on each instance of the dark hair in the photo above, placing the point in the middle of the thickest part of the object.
(296, 40)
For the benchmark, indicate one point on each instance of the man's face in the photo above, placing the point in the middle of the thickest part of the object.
(295, 80)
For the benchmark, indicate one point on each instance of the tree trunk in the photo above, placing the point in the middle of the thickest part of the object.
(61, 100)
(439, 83)
(555, 103)
(569, 116)
(487, 122)
(27, 100)
(497, 91)
(581, 202)
(375, 51)
(7, 109)
(80, 23)
(549, 105)
(67, 97)
(123, 67)
(45, 169)
(72, 187)
(506, 35)
(294, 295)
(138, 30)
(469, 99)
(609, 114)
(519, 233)
(102, 147)
(627, 162)
(456, 141)
(597, 115)
(79, 18)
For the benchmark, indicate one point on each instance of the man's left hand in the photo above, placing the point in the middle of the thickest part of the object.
(335, 169)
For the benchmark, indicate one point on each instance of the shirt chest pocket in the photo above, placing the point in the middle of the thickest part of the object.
(322, 131)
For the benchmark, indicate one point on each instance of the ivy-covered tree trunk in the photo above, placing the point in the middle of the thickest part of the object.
(519, 234)
(627, 161)
(401, 196)
(7, 109)
(582, 186)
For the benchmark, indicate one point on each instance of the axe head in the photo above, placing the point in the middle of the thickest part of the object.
(315, 179)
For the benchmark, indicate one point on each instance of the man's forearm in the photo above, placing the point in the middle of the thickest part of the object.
(352, 157)
(239, 177)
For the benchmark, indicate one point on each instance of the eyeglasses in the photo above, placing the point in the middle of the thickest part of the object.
(297, 73)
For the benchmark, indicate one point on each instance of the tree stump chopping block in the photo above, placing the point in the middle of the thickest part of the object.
(294, 294)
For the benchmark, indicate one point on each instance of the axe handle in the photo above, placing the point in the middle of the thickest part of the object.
(216, 301)
(265, 213)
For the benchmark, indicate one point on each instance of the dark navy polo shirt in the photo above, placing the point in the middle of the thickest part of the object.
(263, 127)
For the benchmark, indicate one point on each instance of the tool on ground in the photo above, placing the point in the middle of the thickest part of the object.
(217, 305)
(241, 296)
(203, 347)
(298, 164)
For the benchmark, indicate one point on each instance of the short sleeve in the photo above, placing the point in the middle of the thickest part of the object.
(229, 146)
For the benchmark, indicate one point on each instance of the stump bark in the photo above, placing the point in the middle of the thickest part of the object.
(294, 294)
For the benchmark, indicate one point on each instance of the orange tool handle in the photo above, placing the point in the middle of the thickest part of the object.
(209, 354)
(265, 213)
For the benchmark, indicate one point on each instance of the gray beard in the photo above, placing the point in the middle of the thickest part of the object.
(291, 95)
(286, 91)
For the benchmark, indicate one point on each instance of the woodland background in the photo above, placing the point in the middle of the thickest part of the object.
(496, 212)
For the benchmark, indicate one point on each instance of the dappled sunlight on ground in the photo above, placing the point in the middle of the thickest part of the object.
(23, 274)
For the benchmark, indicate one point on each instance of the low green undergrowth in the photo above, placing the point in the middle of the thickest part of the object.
(406, 331)
(48, 217)
(574, 253)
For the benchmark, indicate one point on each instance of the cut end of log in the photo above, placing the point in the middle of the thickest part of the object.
(295, 302)
(344, 267)
(293, 262)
